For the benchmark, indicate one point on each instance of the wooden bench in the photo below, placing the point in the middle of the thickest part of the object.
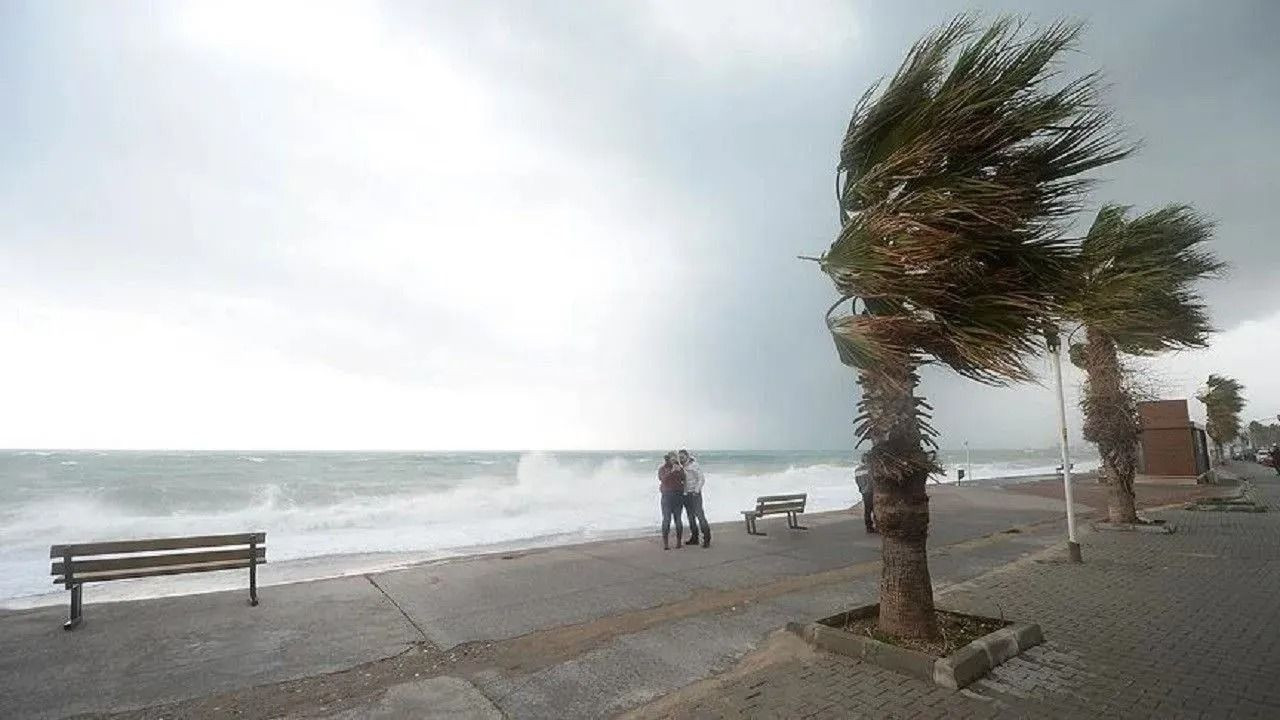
(154, 557)
(790, 505)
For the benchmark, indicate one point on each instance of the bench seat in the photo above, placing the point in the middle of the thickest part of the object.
(790, 505)
(81, 563)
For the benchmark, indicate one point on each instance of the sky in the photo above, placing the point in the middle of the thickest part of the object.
(528, 225)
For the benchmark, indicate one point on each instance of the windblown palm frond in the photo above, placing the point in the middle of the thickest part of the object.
(1136, 278)
(952, 185)
(1222, 403)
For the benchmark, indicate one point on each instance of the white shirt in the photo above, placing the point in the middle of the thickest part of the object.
(693, 477)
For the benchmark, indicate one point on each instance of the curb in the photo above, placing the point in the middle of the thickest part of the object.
(1160, 528)
(954, 671)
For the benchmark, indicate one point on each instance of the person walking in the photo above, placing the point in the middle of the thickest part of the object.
(862, 476)
(671, 485)
(693, 481)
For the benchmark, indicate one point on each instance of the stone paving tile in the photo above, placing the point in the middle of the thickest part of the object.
(1183, 625)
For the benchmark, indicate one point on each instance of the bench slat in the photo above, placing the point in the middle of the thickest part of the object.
(775, 498)
(176, 543)
(778, 510)
(155, 572)
(137, 562)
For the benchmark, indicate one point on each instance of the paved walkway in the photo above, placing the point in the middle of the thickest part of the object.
(622, 627)
(1183, 625)
(567, 633)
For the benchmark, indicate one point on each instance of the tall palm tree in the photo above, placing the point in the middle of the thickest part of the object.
(1133, 293)
(952, 182)
(1222, 404)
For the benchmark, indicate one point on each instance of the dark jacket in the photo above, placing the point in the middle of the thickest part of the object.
(671, 478)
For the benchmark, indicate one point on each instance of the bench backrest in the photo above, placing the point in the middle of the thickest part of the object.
(776, 504)
(156, 556)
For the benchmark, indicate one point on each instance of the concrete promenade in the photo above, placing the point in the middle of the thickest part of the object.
(564, 632)
(1151, 626)
(576, 632)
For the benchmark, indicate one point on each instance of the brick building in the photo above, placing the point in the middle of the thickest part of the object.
(1172, 445)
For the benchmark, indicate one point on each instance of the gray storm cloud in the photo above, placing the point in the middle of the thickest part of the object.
(540, 225)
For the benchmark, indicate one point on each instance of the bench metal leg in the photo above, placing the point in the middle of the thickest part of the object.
(75, 617)
(793, 522)
(752, 530)
(253, 574)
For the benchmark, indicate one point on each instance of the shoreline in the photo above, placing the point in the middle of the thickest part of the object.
(340, 565)
(313, 569)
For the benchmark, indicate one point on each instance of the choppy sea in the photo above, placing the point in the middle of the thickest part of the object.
(329, 513)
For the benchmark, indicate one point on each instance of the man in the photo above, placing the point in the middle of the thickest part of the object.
(693, 480)
(862, 476)
(671, 485)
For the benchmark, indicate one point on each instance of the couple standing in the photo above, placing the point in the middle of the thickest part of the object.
(680, 481)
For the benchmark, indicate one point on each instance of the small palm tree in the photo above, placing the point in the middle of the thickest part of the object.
(1133, 293)
(1222, 404)
(952, 181)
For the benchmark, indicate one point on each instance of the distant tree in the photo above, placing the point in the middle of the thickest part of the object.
(953, 182)
(1222, 404)
(1133, 293)
(1261, 435)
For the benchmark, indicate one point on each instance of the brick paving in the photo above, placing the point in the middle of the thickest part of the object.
(1182, 625)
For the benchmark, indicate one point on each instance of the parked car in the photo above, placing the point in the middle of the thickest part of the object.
(1264, 458)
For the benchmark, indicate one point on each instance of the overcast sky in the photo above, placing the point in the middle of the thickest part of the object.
(525, 225)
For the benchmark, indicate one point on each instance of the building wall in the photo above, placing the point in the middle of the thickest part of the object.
(1168, 439)
(1164, 413)
(1169, 451)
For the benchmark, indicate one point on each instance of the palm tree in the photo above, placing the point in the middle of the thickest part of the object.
(1133, 293)
(952, 181)
(1222, 404)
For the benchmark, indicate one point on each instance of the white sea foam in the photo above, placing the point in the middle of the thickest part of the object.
(987, 471)
(546, 500)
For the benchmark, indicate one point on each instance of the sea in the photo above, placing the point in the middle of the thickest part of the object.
(338, 513)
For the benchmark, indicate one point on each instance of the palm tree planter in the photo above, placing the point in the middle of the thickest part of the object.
(952, 184)
(1141, 524)
(958, 667)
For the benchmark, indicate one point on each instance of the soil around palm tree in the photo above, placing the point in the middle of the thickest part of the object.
(955, 629)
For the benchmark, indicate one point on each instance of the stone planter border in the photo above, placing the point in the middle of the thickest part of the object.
(954, 671)
(1246, 506)
(1151, 527)
(1242, 501)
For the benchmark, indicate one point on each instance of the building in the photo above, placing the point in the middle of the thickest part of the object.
(1172, 445)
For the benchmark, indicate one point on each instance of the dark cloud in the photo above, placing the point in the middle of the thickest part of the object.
(742, 146)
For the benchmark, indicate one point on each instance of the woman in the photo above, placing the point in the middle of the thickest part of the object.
(671, 485)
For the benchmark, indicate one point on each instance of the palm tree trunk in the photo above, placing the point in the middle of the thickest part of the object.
(900, 469)
(1110, 422)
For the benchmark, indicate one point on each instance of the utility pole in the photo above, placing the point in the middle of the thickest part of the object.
(1054, 344)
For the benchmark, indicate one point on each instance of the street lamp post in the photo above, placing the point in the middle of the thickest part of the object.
(1054, 344)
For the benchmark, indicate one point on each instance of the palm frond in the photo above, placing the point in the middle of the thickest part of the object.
(953, 182)
(1223, 401)
(1137, 277)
